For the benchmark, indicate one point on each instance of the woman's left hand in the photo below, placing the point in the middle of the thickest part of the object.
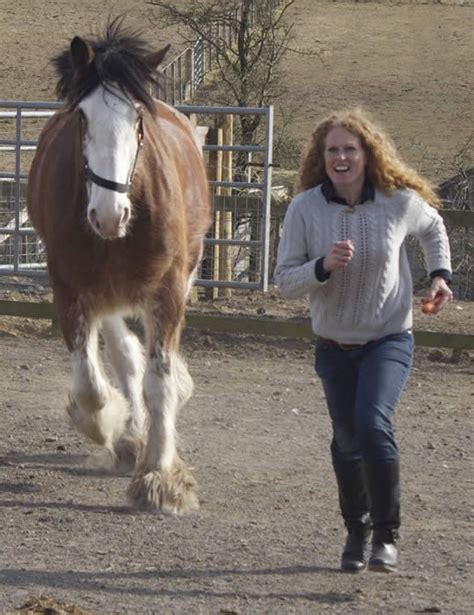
(437, 296)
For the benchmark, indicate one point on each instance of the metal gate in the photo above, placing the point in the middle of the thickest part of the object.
(237, 247)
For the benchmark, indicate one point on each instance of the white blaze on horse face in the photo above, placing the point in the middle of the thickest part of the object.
(110, 147)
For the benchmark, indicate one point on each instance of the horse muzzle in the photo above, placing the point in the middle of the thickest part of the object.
(108, 222)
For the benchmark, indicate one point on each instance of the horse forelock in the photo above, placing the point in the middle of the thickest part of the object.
(120, 60)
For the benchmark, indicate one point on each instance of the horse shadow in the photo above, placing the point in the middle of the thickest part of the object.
(112, 582)
(72, 464)
(67, 463)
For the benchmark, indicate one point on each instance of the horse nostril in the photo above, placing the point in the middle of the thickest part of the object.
(93, 218)
(125, 216)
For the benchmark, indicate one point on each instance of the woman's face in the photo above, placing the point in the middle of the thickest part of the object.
(345, 158)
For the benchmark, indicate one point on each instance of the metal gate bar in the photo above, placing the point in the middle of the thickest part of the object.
(19, 110)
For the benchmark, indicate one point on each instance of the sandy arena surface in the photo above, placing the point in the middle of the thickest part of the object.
(268, 536)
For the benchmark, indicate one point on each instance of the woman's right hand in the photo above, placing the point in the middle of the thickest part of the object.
(340, 255)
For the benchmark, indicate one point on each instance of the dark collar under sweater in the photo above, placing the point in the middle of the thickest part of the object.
(327, 188)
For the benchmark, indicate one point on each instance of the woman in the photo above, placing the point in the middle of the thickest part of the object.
(342, 244)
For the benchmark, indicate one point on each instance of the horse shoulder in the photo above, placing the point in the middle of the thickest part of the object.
(179, 121)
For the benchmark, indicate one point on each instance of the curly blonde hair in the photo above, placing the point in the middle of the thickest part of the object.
(385, 169)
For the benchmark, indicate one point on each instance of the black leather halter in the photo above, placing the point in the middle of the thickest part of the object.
(109, 184)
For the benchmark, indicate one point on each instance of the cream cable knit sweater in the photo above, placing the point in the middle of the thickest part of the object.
(372, 296)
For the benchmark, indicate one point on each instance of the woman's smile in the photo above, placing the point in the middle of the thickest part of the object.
(345, 162)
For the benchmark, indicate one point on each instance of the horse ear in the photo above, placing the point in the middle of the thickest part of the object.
(82, 52)
(156, 58)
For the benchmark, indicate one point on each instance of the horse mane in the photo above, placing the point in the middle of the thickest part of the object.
(120, 58)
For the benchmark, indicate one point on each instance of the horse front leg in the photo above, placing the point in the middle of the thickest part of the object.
(125, 354)
(162, 480)
(95, 407)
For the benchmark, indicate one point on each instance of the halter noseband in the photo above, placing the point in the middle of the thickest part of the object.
(105, 183)
(109, 184)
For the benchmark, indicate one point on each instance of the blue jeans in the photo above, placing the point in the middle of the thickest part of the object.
(362, 387)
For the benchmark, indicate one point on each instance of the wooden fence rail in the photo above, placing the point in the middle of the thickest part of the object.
(248, 325)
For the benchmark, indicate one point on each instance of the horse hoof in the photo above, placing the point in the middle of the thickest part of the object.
(104, 424)
(171, 491)
(126, 452)
(86, 424)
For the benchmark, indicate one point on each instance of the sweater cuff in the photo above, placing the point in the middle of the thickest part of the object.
(321, 275)
(443, 273)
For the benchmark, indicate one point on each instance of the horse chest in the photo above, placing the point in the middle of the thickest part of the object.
(123, 270)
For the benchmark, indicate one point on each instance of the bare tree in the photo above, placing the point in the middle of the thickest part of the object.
(247, 40)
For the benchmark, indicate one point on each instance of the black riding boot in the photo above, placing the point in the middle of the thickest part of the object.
(354, 503)
(384, 489)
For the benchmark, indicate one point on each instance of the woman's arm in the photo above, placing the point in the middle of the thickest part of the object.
(295, 272)
(428, 226)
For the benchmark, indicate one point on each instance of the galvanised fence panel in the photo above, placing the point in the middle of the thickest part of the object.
(237, 248)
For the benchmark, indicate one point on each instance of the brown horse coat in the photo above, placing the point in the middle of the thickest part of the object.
(170, 215)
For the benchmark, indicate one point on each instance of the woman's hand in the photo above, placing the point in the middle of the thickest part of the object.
(340, 255)
(436, 297)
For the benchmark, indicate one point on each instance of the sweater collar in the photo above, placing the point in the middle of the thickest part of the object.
(327, 188)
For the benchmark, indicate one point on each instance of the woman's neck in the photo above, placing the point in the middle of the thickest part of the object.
(351, 193)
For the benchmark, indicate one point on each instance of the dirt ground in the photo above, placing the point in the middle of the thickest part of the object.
(268, 536)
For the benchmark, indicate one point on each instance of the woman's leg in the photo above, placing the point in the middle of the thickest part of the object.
(338, 374)
(384, 368)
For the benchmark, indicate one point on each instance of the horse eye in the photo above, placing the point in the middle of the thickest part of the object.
(83, 117)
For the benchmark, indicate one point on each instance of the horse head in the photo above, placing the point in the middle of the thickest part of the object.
(109, 82)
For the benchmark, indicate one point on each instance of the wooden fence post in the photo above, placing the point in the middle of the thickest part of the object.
(226, 221)
(214, 137)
